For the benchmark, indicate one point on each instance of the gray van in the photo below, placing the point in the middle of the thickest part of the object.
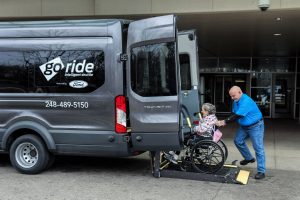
(88, 87)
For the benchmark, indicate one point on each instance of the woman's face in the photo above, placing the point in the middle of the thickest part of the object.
(204, 112)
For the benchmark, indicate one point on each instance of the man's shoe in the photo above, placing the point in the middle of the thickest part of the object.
(260, 175)
(245, 162)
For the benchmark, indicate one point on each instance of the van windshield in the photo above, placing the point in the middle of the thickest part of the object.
(153, 70)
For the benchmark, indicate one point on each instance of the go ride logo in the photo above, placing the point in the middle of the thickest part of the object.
(73, 69)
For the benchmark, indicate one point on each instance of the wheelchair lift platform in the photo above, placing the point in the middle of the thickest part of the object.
(229, 173)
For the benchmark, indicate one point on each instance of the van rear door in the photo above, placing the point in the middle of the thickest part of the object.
(153, 83)
(189, 74)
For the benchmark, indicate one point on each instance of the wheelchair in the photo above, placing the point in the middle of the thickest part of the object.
(202, 154)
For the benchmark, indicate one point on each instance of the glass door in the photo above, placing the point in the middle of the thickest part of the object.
(215, 89)
(283, 85)
(261, 86)
(223, 84)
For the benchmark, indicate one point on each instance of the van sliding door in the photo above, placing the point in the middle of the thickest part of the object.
(152, 78)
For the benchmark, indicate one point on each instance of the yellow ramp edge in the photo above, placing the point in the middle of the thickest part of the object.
(243, 177)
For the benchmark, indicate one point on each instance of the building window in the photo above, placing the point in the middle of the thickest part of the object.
(223, 65)
(273, 64)
(208, 64)
(261, 80)
(234, 65)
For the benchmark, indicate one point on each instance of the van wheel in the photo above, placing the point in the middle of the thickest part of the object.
(28, 154)
(51, 161)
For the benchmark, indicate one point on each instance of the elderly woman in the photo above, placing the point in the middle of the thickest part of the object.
(204, 129)
(208, 122)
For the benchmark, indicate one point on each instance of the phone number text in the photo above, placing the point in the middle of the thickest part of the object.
(67, 104)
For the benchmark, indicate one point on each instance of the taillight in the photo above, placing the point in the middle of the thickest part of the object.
(120, 114)
(196, 122)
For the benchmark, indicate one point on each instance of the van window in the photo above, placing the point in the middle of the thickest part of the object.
(14, 73)
(45, 71)
(153, 71)
(185, 71)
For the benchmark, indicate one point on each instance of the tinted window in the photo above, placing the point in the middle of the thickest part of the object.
(52, 71)
(153, 70)
(185, 72)
(14, 73)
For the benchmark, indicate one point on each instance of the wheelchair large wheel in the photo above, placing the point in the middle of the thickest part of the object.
(224, 148)
(207, 156)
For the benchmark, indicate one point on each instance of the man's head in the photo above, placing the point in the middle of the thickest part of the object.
(235, 93)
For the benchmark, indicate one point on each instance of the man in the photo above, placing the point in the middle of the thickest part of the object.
(248, 115)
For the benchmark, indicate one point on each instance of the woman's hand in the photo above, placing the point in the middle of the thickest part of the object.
(221, 123)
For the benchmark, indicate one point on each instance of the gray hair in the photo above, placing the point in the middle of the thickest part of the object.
(210, 108)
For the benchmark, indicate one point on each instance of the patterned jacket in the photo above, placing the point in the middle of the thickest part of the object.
(206, 125)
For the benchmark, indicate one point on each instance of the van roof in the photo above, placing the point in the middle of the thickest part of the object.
(56, 28)
(60, 23)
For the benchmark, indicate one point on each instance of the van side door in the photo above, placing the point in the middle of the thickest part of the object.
(153, 83)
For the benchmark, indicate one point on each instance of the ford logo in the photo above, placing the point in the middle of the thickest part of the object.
(78, 84)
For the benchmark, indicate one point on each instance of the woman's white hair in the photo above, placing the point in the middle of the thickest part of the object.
(210, 108)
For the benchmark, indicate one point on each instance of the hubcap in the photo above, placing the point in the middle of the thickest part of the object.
(26, 155)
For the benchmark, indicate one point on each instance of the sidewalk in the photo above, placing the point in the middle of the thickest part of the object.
(282, 144)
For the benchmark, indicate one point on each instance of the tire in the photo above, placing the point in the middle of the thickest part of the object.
(224, 148)
(185, 164)
(28, 154)
(51, 161)
(207, 156)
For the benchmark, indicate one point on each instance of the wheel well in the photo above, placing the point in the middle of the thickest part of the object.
(19, 133)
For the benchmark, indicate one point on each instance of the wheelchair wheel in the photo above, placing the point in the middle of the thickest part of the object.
(207, 156)
(184, 165)
(224, 148)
